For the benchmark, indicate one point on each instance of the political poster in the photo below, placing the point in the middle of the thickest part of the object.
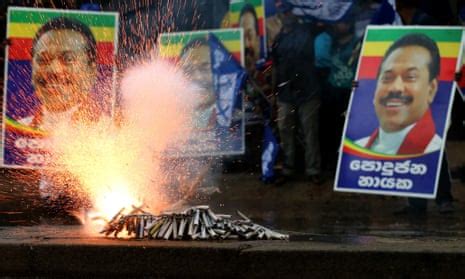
(212, 60)
(59, 64)
(461, 78)
(397, 120)
(250, 15)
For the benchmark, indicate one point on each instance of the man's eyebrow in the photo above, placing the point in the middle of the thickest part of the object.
(386, 71)
(60, 51)
(68, 51)
(414, 68)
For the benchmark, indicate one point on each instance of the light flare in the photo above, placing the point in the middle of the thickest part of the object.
(122, 164)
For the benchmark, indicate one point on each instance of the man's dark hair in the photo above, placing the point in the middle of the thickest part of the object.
(64, 23)
(194, 43)
(248, 8)
(421, 40)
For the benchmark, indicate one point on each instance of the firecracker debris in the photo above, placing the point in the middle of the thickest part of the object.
(195, 223)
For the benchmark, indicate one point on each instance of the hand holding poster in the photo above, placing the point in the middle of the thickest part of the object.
(397, 120)
(59, 68)
(210, 60)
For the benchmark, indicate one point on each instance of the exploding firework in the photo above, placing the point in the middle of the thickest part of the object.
(120, 165)
(107, 164)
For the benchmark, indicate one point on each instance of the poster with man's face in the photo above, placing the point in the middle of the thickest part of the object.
(250, 15)
(397, 119)
(212, 61)
(59, 67)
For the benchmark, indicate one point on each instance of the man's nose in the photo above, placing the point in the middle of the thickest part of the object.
(247, 42)
(196, 74)
(397, 85)
(55, 66)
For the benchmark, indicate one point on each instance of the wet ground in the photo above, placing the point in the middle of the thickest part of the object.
(331, 235)
(297, 207)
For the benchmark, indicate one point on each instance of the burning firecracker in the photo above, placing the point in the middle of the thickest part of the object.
(197, 222)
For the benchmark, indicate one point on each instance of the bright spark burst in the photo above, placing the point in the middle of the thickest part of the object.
(121, 165)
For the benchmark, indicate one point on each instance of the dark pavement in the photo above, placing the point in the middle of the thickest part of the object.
(68, 251)
(298, 206)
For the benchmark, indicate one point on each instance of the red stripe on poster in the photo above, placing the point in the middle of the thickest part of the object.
(236, 55)
(261, 27)
(105, 53)
(369, 66)
(20, 49)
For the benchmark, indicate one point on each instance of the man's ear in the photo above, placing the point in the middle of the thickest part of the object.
(433, 89)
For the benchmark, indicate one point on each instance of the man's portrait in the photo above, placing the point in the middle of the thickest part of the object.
(407, 83)
(63, 71)
(249, 22)
(195, 61)
(250, 16)
(212, 62)
(399, 110)
(60, 70)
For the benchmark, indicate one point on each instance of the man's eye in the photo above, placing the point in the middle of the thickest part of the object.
(43, 59)
(68, 58)
(411, 77)
(387, 78)
(187, 69)
(205, 68)
(191, 69)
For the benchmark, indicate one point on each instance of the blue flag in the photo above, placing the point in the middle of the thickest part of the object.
(386, 14)
(90, 7)
(228, 76)
(269, 154)
(328, 10)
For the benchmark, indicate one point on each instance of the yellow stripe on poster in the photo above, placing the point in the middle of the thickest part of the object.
(173, 50)
(446, 49)
(27, 30)
(234, 16)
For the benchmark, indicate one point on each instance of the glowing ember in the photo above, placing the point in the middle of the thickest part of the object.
(107, 203)
(122, 165)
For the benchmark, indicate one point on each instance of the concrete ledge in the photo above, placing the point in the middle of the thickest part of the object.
(65, 251)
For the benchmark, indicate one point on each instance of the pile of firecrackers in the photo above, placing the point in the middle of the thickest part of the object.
(195, 223)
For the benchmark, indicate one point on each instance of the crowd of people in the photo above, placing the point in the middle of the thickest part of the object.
(313, 74)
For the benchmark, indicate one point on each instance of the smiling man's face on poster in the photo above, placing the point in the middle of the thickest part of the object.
(405, 88)
(62, 70)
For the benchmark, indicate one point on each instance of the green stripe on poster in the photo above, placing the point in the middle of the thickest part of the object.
(176, 38)
(438, 35)
(40, 17)
(236, 7)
